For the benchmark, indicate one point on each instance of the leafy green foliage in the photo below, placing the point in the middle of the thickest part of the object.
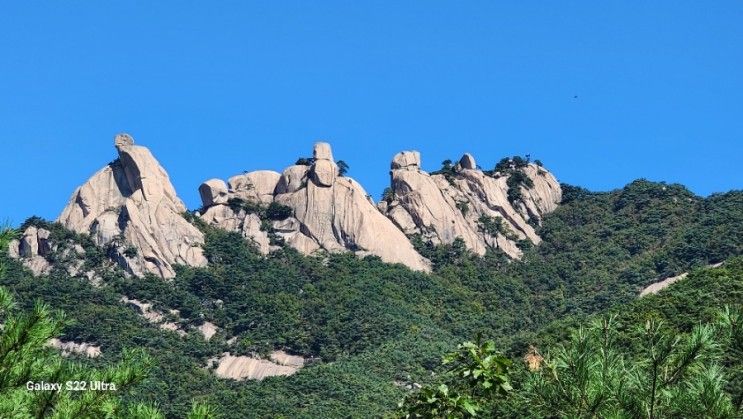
(463, 207)
(305, 161)
(272, 211)
(477, 374)
(670, 375)
(447, 170)
(493, 226)
(369, 330)
(513, 168)
(25, 359)
(388, 195)
(650, 359)
(276, 211)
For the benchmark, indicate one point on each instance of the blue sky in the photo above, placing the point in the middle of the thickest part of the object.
(214, 90)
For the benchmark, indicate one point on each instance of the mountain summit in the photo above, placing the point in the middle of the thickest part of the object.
(131, 209)
(131, 204)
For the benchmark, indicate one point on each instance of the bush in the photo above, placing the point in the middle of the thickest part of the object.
(276, 211)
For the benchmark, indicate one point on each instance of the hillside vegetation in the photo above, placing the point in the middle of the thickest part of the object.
(373, 331)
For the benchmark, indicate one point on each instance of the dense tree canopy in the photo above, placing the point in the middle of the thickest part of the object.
(372, 332)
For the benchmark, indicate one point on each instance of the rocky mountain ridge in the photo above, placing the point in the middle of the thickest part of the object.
(131, 209)
(464, 202)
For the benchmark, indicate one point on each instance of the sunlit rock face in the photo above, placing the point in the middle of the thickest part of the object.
(251, 368)
(460, 204)
(131, 207)
(32, 249)
(328, 212)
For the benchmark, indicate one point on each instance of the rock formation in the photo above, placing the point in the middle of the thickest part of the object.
(464, 202)
(32, 249)
(245, 367)
(329, 212)
(131, 207)
(74, 348)
(40, 252)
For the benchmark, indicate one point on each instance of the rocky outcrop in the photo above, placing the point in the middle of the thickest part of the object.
(465, 202)
(40, 253)
(32, 249)
(657, 287)
(153, 316)
(232, 218)
(213, 192)
(245, 367)
(329, 212)
(208, 329)
(255, 186)
(131, 207)
(74, 348)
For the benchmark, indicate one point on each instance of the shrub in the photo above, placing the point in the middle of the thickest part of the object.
(276, 211)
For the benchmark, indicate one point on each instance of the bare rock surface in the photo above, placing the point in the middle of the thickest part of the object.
(208, 329)
(257, 186)
(32, 249)
(249, 225)
(442, 208)
(213, 192)
(131, 204)
(250, 368)
(153, 316)
(467, 162)
(69, 348)
(329, 212)
(407, 160)
(656, 287)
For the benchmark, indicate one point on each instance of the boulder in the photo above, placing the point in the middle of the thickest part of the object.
(257, 186)
(14, 250)
(335, 214)
(248, 225)
(322, 151)
(131, 203)
(407, 160)
(467, 162)
(32, 249)
(292, 179)
(213, 192)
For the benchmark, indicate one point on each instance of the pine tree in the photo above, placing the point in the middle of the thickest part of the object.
(26, 359)
(674, 376)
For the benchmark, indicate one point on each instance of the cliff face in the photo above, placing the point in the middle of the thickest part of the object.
(131, 209)
(131, 206)
(328, 211)
(465, 202)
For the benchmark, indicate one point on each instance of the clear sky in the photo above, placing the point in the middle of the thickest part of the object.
(217, 89)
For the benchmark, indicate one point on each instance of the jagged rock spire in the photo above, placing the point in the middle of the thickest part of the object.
(132, 206)
(329, 212)
(444, 207)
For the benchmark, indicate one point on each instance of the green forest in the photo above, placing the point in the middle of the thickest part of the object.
(385, 341)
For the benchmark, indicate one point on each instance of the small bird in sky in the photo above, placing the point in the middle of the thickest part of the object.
(575, 97)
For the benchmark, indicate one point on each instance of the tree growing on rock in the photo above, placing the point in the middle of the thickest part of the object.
(342, 167)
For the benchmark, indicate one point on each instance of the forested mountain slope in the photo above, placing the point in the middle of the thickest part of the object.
(371, 331)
